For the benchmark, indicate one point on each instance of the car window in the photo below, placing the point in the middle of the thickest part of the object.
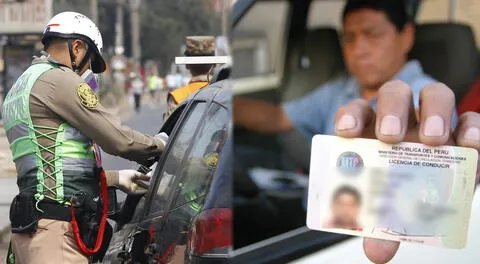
(201, 163)
(166, 175)
(258, 46)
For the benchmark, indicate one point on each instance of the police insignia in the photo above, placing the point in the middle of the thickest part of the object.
(211, 159)
(86, 95)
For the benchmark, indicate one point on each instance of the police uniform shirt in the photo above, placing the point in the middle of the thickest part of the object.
(60, 95)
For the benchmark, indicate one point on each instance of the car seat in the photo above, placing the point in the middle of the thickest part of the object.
(315, 61)
(448, 53)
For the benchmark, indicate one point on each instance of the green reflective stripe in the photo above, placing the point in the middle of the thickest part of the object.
(191, 196)
(69, 149)
(59, 162)
(16, 105)
(21, 147)
(16, 109)
(41, 69)
(76, 149)
(73, 158)
(11, 255)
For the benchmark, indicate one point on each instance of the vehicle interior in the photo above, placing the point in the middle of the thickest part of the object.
(283, 57)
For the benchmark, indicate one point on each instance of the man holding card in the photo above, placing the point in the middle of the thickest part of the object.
(394, 121)
(380, 100)
(376, 39)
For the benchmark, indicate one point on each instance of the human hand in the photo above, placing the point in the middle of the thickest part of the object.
(162, 137)
(395, 120)
(131, 181)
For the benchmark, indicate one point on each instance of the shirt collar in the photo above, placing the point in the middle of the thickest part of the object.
(410, 70)
(44, 58)
(200, 78)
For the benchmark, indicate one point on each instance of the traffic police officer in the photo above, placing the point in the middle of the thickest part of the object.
(53, 122)
(195, 46)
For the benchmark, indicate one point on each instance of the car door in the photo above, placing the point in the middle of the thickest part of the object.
(181, 183)
(169, 235)
(120, 247)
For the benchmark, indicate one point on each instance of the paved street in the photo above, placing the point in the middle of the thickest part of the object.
(148, 121)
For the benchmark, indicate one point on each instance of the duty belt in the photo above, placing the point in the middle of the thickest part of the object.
(55, 211)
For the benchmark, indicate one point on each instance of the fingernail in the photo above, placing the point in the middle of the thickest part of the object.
(433, 126)
(472, 133)
(390, 125)
(346, 122)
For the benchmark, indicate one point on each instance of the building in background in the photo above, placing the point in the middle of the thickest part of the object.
(21, 26)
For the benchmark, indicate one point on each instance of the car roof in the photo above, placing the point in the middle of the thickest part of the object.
(219, 92)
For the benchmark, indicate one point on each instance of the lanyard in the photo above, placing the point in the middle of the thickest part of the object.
(103, 220)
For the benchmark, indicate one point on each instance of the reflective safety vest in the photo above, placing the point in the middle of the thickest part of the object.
(152, 82)
(73, 163)
(182, 93)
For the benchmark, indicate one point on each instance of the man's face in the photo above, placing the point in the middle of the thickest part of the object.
(373, 48)
(345, 210)
(80, 51)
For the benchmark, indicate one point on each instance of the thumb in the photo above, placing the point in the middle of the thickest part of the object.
(379, 251)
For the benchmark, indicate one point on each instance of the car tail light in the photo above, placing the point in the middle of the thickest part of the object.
(212, 232)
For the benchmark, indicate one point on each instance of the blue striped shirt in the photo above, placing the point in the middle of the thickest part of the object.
(315, 112)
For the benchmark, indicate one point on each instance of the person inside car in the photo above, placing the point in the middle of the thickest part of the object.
(376, 39)
(380, 99)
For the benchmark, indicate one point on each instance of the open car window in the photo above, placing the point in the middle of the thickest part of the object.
(258, 46)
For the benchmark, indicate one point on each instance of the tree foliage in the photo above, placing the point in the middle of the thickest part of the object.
(164, 25)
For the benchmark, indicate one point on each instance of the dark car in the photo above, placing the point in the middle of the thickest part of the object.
(185, 217)
(282, 57)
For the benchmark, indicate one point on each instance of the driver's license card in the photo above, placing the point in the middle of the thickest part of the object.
(405, 192)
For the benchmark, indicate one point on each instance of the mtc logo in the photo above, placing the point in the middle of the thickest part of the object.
(349, 163)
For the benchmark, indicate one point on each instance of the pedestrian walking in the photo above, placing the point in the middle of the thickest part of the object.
(137, 87)
(152, 85)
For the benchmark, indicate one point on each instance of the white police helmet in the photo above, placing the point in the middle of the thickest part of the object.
(72, 25)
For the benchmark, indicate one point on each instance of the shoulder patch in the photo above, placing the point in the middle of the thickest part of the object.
(211, 159)
(86, 95)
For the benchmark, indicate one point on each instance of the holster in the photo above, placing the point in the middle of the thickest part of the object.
(24, 217)
(88, 212)
(23, 214)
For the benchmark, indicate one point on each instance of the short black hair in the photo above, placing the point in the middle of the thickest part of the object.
(396, 10)
(347, 190)
(48, 42)
(199, 69)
